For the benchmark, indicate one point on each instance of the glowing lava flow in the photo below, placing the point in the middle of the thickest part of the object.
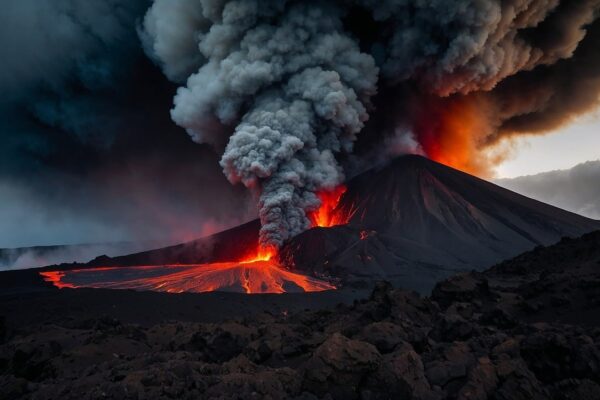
(328, 215)
(256, 274)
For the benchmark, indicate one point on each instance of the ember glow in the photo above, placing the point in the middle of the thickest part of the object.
(259, 272)
(245, 277)
(328, 215)
(262, 254)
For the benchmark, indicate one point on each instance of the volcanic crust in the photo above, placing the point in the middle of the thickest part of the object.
(527, 328)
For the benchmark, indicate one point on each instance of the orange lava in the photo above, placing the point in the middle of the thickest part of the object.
(246, 277)
(55, 277)
(328, 215)
(259, 273)
(262, 254)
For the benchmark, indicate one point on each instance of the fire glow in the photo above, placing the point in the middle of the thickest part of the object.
(328, 215)
(450, 131)
(245, 277)
(259, 272)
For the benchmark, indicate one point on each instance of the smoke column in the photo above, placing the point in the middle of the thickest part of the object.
(288, 85)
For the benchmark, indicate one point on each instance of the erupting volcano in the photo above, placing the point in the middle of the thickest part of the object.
(413, 221)
(259, 272)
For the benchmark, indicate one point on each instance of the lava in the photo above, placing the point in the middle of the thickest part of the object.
(328, 215)
(262, 254)
(259, 273)
(246, 277)
(55, 277)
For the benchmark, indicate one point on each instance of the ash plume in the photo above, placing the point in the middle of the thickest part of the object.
(285, 87)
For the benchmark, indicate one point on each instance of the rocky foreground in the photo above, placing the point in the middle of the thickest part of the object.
(526, 329)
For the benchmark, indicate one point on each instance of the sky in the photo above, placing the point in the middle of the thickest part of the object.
(570, 145)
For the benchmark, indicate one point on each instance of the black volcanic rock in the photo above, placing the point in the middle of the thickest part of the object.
(412, 222)
(229, 245)
(415, 222)
(455, 345)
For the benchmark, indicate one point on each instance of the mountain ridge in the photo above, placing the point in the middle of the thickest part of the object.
(412, 221)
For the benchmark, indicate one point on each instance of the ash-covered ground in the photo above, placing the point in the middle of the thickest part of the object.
(527, 328)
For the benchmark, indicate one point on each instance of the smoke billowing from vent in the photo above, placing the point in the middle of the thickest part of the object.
(289, 85)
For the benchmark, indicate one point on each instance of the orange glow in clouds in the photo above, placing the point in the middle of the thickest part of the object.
(452, 131)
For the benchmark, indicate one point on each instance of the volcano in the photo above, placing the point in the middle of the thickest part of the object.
(412, 222)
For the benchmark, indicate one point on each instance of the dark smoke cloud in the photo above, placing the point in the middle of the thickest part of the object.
(295, 81)
(89, 152)
(576, 189)
(544, 99)
(287, 97)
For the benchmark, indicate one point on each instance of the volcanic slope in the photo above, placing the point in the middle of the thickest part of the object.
(412, 221)
(415, 221)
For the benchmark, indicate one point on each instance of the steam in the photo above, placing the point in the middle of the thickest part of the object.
(295, 81)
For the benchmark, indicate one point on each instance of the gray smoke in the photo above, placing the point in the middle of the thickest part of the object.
(294, 80)
(472, 45)
(299, 87)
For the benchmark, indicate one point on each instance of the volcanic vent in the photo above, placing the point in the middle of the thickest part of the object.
(413, 221)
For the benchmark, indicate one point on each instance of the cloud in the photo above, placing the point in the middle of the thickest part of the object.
(88, 152)
(576, 189)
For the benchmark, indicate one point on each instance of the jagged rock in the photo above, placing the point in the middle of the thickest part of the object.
(338, 366)
(383, 335)
(449, 328)
(222, 342)
(465, 288)
(517, 382)
(33, 359)
(12, 387)
(472, 342)
(401, 375)
(481, 381)
(552, 356)
(509, 348)
(498, 317)
(575, 389)
(449, 363)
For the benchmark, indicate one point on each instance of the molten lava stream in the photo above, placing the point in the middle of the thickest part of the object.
(329, 214)
(255, 274)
